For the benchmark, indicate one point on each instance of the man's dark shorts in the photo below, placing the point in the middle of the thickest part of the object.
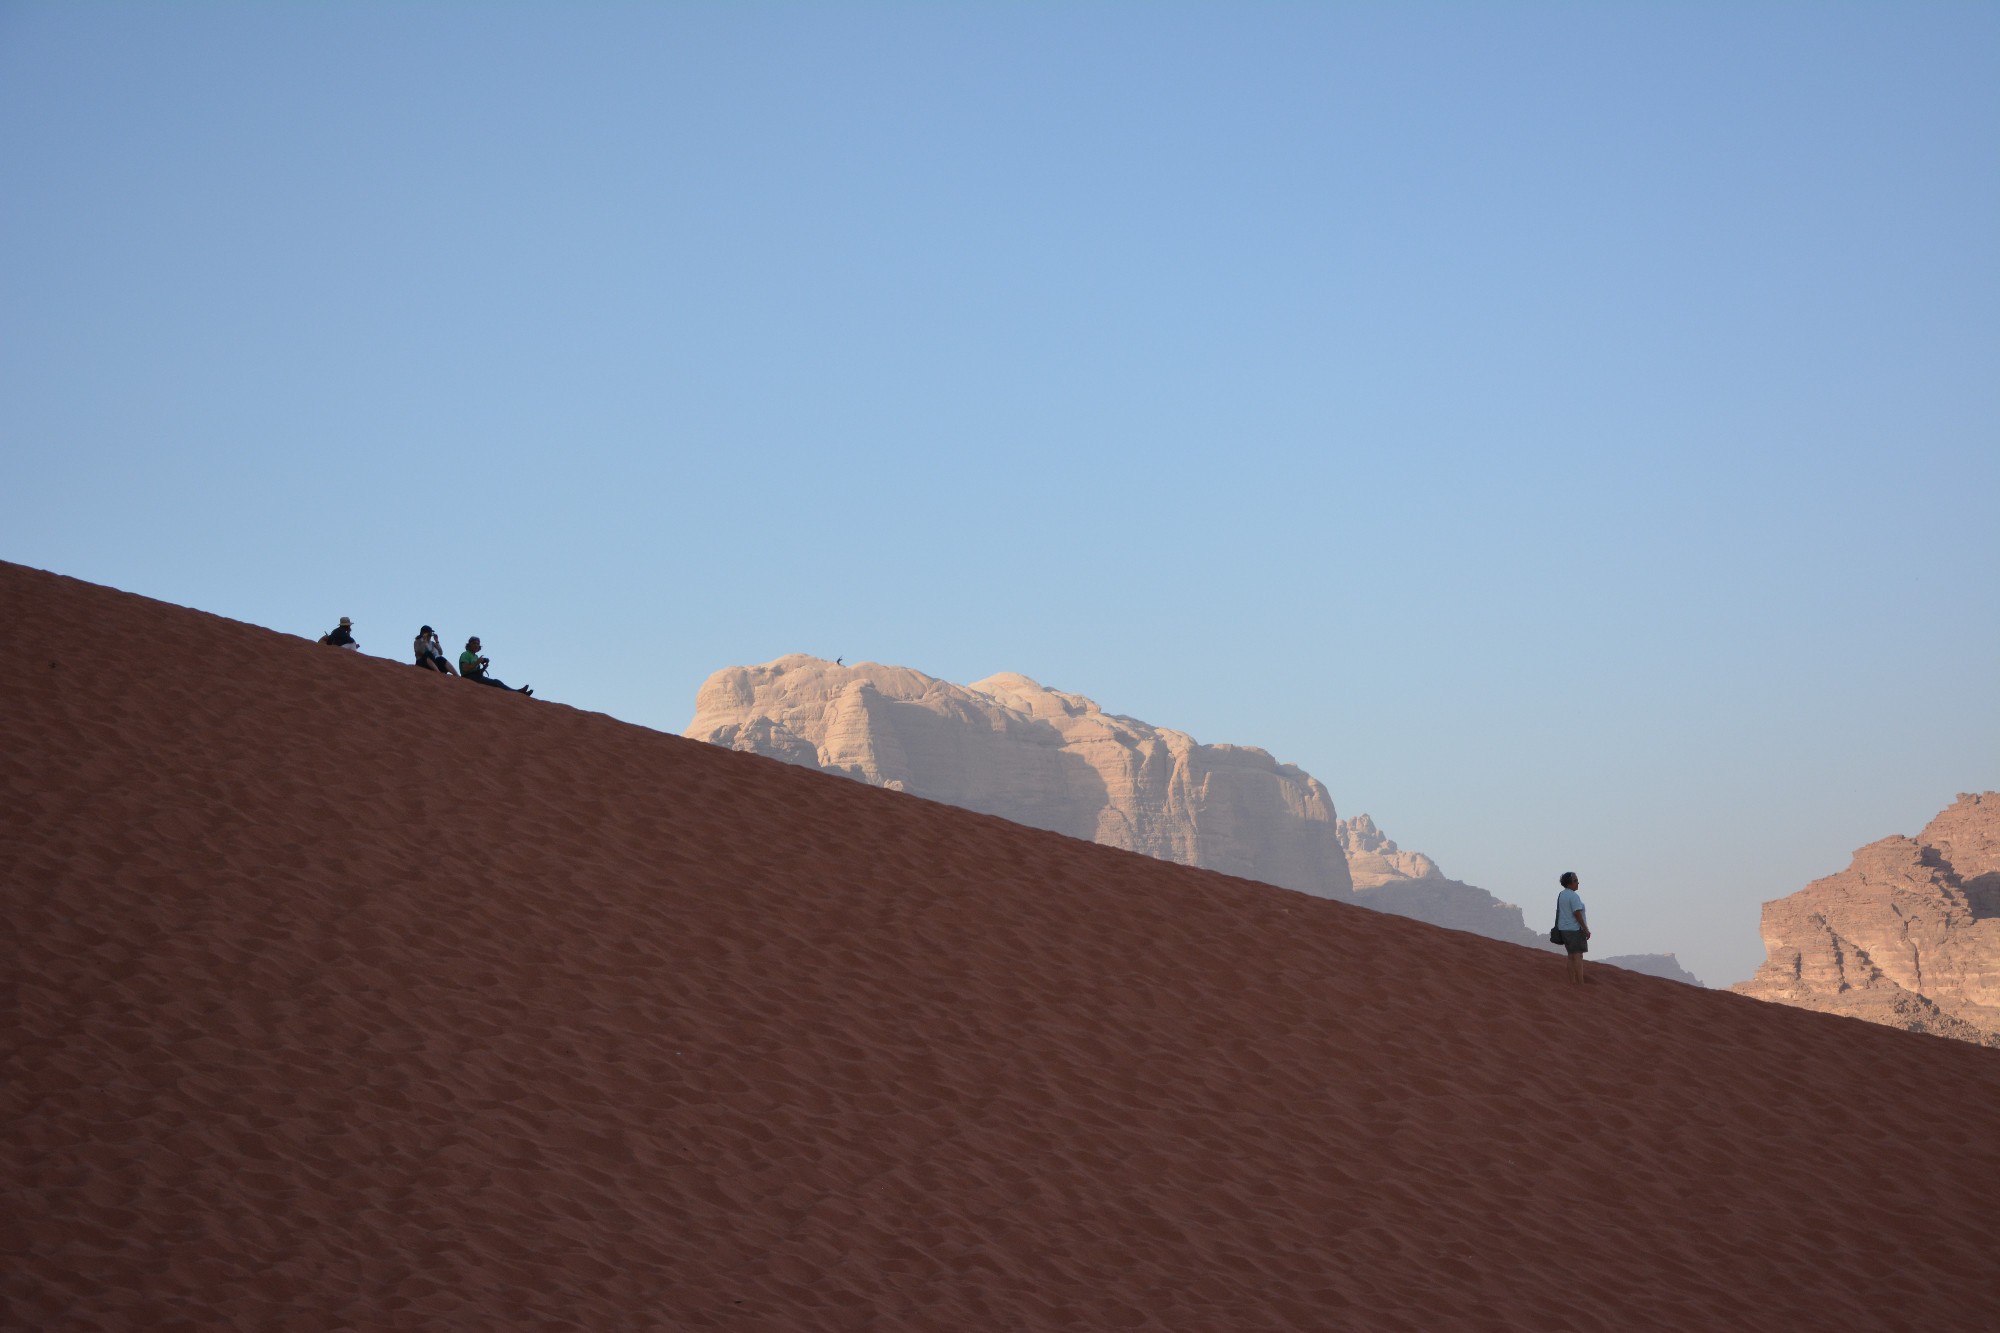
(1574, 941)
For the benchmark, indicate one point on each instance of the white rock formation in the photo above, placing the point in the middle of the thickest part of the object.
(1011, 747)
(1373, 858)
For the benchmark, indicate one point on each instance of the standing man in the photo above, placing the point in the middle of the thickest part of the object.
(1575, 929)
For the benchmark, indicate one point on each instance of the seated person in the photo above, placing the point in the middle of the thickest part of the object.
(473, 667)
(437, 653)
(430, 653)
(341, 636)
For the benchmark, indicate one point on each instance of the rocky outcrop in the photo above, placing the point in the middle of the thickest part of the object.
(1389, 879)
(1014, 748)
(1653, 965)
(1373, 858)
(1908, 935)
(1452, 903)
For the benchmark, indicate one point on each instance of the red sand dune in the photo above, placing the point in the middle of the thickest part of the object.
(355, 997)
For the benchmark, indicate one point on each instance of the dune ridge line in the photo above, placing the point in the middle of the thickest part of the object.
(353, 998)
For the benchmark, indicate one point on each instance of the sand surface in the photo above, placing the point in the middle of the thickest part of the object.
(355, 997)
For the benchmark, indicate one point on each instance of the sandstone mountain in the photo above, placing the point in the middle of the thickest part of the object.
(1389, 879)
(1908, 935)
(1373, 858)
(1008, 746)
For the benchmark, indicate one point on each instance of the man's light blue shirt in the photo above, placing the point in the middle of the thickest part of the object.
(1568, 903)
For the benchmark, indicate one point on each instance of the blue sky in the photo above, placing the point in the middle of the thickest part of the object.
(1570, 431)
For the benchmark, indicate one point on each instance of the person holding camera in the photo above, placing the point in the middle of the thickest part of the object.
(472, 666)
(430, 653)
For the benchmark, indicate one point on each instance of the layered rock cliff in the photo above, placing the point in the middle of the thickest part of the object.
(1011, 747)
(1373, 857)
(1908, 935)
(1389, 879)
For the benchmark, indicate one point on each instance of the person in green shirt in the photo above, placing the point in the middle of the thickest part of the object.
(472, 666)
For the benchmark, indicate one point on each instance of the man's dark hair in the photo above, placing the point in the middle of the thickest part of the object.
(1568, 880)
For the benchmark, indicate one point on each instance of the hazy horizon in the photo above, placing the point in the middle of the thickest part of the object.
(1569, 434)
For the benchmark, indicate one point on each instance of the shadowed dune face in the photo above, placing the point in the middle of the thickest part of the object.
(356, 997)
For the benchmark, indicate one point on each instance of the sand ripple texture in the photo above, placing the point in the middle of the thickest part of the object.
(351, 997)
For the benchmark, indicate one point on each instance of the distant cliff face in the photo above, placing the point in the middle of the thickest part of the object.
(1453, 903)
(1907, 935)
(1010, 747)
(1653, 965)
(1372, 858)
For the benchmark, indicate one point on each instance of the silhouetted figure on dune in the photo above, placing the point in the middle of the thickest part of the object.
(430, 653)
(472, 666)
(1572, 926)
(341, 636)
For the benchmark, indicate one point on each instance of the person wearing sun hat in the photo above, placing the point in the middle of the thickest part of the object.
(341, 636)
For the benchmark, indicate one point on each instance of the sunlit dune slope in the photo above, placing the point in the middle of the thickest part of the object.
(353, 997)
